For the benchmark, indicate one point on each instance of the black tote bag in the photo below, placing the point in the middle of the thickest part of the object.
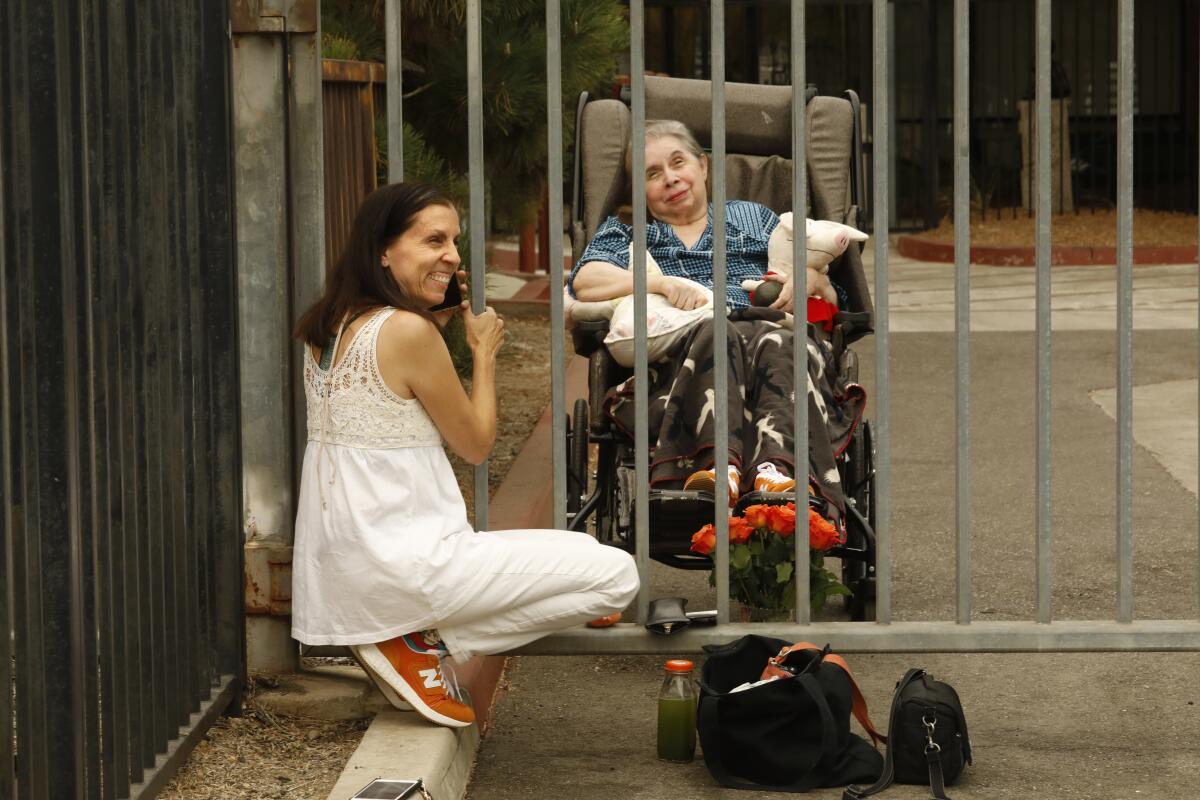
(789, 735)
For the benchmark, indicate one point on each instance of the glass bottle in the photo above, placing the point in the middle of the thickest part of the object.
(677, 713)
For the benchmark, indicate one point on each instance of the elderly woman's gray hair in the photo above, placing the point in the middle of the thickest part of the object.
(661, 128)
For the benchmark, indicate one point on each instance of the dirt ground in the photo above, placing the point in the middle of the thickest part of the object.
(261, 755)
(1014, 227)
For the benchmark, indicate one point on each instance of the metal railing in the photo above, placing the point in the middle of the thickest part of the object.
(1042, 632)
(121, 628)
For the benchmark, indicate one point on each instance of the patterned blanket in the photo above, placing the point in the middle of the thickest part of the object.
(760, 405)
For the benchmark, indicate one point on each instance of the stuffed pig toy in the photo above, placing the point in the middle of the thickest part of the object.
(826, 241)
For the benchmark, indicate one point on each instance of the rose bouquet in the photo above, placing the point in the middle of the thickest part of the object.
(762, 558)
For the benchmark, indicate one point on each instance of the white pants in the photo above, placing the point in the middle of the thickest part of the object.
(540, 581)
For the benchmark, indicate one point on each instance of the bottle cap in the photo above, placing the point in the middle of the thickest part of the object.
(679, 665)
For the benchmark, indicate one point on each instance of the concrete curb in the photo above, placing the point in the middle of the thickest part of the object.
(921, 249)
(403, 745)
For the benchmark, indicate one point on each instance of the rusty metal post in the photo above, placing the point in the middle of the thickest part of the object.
(276, 96)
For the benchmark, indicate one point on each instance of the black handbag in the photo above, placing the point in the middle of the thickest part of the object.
(788, 735)
(928, 743)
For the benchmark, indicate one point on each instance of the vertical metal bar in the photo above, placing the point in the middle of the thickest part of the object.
(720, 321)
(476, 179)
(1044, 210)
(155, 193)
(117, 700)
(800, 331)
(962, 306)
(554, 186)
(393, 13)
(641, 446)
(168, 399)
(8, 497)
(221, 302)
(1125, 90)
(132, 418)
(98, 99)
(880, 159)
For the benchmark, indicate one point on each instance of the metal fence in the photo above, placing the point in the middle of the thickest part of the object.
(122, 633)
(963, 633)
(1084, 35)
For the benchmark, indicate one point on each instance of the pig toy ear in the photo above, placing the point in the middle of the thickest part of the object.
(852, 233)
(855, 234)
(785, 224)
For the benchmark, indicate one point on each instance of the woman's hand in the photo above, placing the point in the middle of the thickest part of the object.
(485, 333)
(816, 285)
(680, 292)
(443, 317)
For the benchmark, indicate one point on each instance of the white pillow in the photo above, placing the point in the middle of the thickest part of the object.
(665, 324)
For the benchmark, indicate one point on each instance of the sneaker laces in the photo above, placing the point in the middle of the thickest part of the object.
(450, 679)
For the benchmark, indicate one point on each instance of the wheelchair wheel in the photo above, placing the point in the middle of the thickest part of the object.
(577, 456)
(858, 481)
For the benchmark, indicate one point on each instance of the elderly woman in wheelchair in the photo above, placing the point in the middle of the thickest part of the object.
(679, 242)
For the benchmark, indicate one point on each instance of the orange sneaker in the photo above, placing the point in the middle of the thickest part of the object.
(706, 481)
(605, 622)
(414, 672)
(770, 479)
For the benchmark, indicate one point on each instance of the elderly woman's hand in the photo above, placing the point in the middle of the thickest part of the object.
(680, 292)
(816, 285)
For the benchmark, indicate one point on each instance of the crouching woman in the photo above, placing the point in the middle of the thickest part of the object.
(385, 560)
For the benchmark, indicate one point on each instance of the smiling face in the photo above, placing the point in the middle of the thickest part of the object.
(424, 258)
(675, 189)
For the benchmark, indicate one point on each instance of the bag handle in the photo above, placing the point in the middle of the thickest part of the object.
(858, 703)
(709, 719)
(889, 764)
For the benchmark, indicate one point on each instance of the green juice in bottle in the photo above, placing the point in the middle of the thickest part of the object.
(677, 713)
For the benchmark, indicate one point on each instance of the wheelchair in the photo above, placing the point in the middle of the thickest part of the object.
(758, 168)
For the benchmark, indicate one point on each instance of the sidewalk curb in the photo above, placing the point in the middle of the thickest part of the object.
(403, 745)
(921, 249)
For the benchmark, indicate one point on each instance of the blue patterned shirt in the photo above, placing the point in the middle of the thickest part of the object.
(747, 228)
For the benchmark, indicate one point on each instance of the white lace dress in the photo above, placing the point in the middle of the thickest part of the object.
(383, 546)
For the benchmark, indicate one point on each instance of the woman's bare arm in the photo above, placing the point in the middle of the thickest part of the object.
(414, 360)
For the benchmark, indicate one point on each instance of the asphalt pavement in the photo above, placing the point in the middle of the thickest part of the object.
(1112, 725)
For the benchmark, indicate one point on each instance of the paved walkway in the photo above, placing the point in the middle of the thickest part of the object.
(1082, 726)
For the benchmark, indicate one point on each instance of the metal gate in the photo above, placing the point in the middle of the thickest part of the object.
(962, 633)
(122, 635)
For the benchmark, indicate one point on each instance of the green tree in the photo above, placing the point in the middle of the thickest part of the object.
(513, 45)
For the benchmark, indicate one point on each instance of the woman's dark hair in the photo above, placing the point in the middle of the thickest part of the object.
(358, 280)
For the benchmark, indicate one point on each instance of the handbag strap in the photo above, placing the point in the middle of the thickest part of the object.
(889, 765)
(709, 718)
(858, 703)
(937, 784)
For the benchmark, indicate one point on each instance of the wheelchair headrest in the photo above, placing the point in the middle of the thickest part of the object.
(758, 144)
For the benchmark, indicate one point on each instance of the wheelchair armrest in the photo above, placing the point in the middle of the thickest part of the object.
(588, 337)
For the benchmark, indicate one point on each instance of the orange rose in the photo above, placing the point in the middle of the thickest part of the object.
(704, 541)
(782, 520)
(757, 516)
(821, 533)
(739, 530)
